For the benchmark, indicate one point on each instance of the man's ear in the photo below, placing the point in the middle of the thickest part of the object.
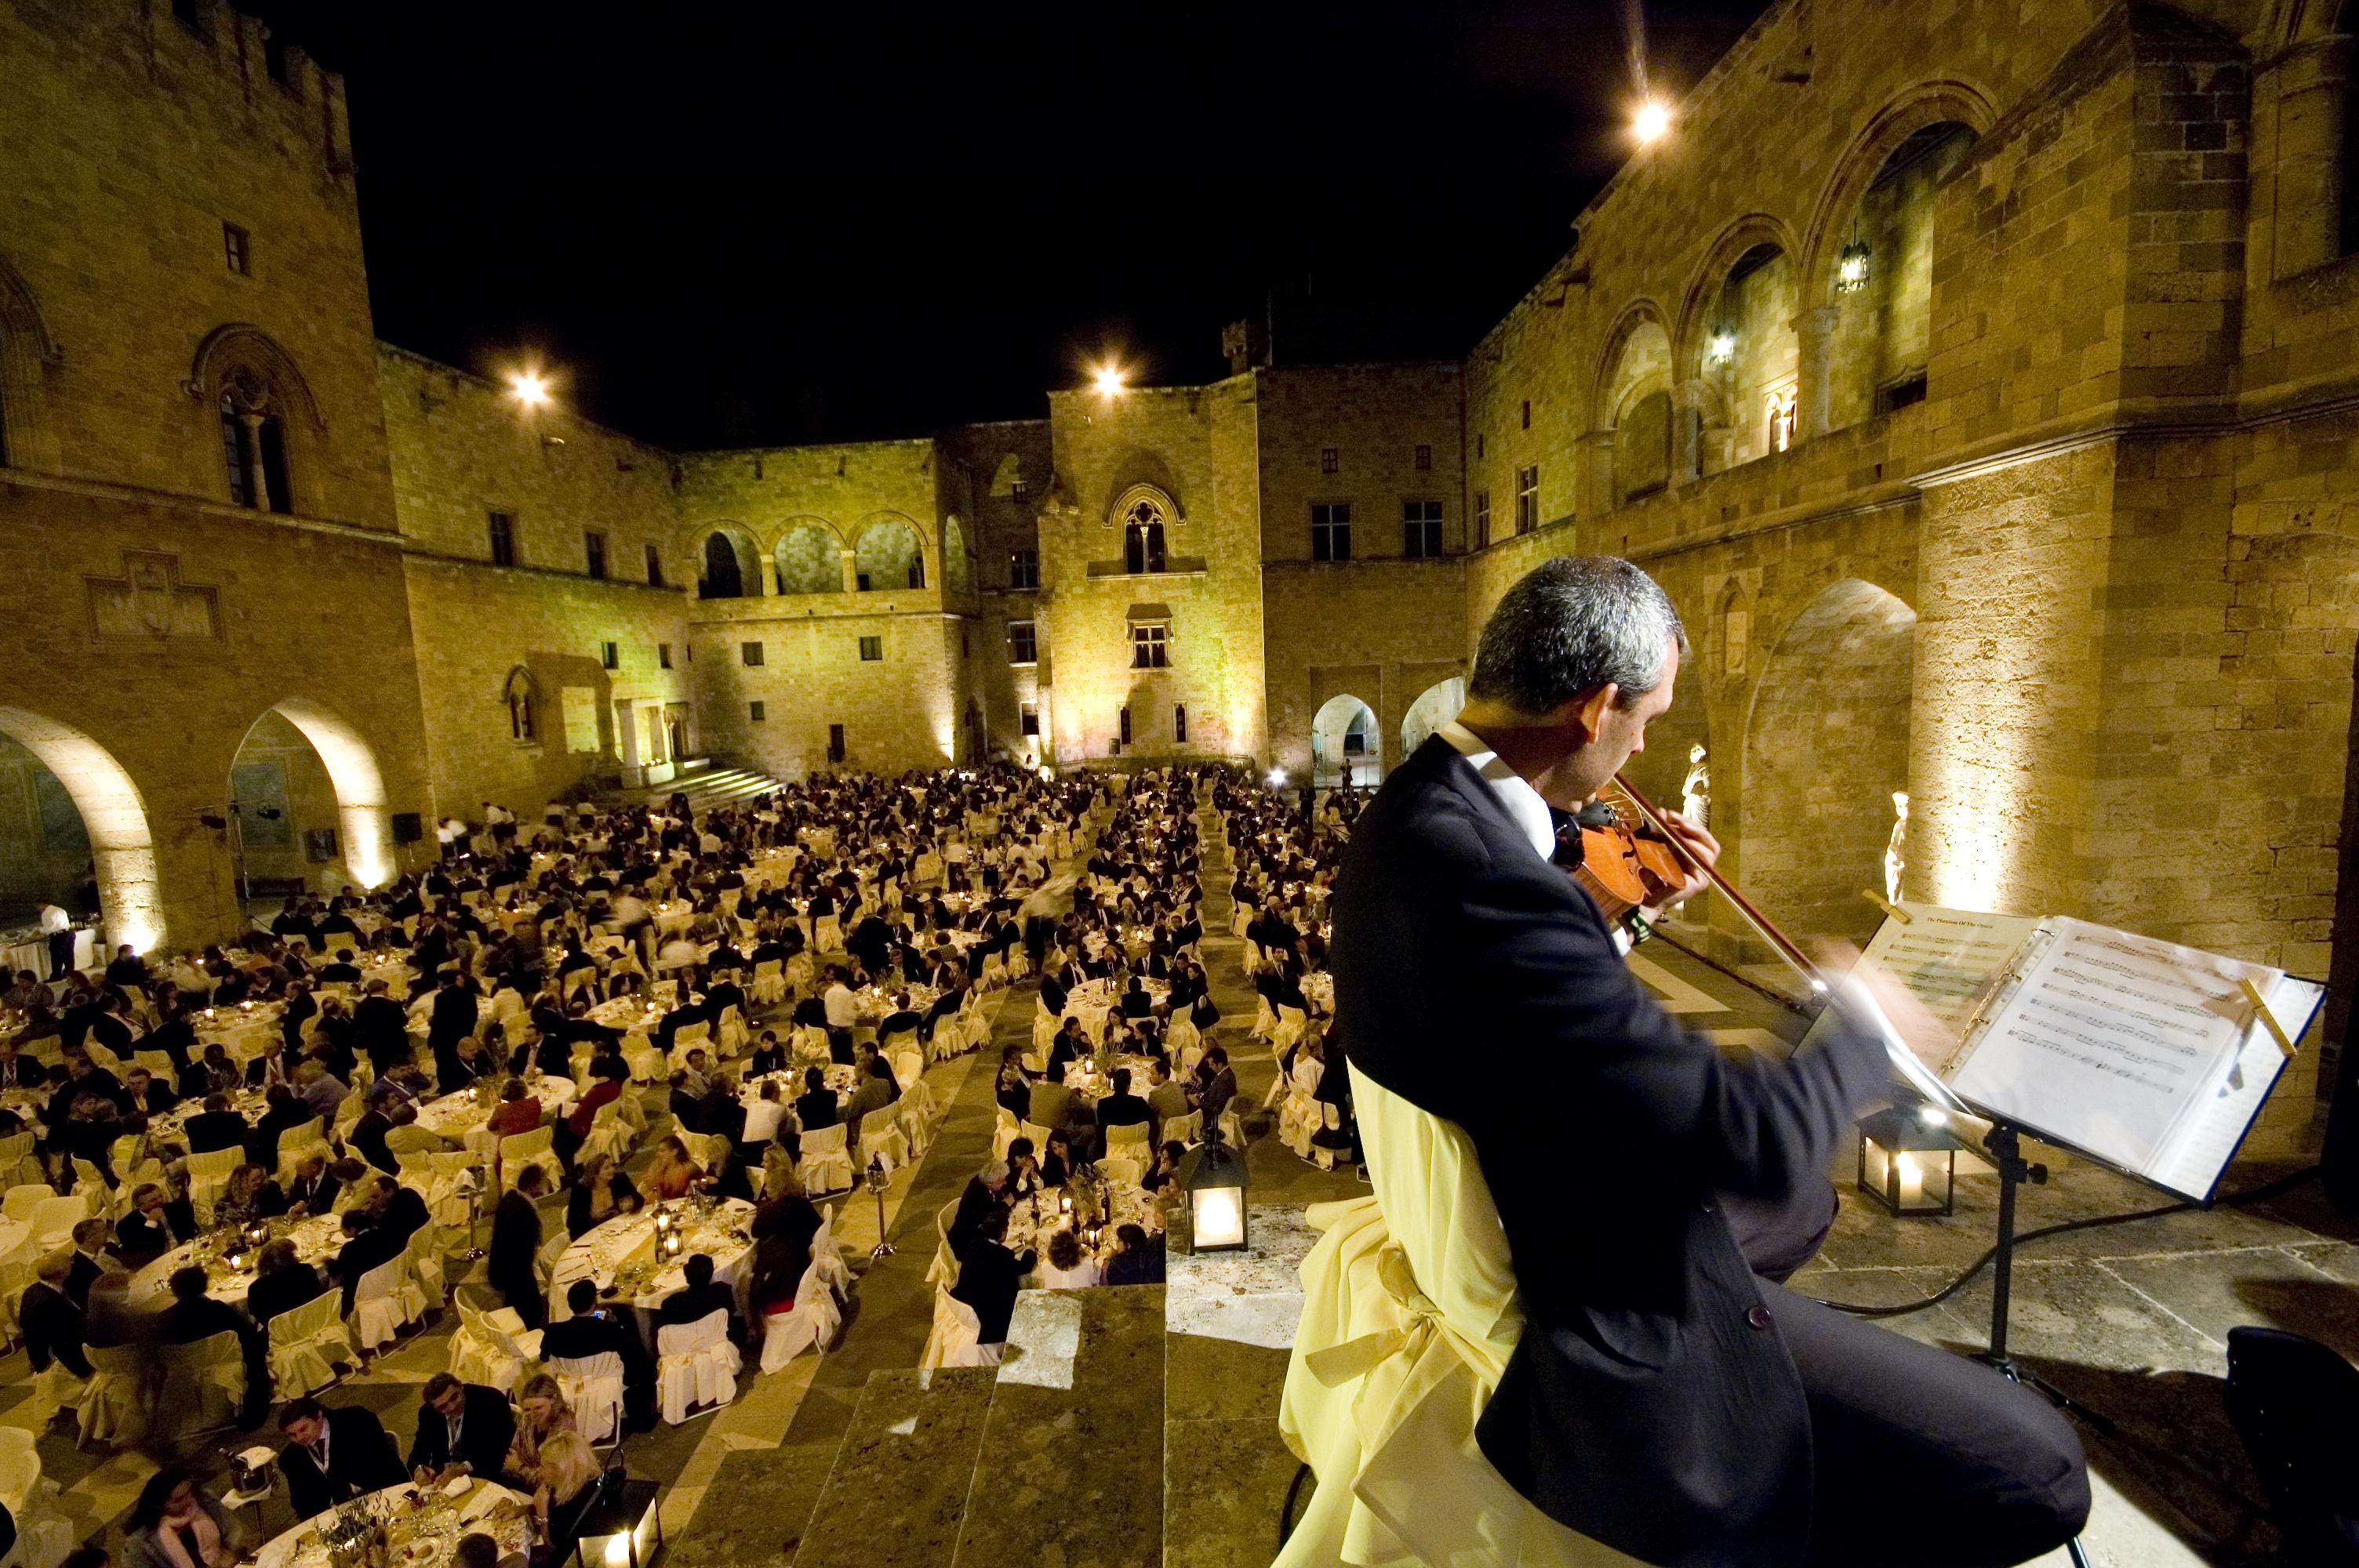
(1588, 709)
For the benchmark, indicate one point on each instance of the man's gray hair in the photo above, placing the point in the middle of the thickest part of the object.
(1570, 625)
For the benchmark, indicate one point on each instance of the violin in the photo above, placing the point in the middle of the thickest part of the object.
(1661, 837)
(1622, 867)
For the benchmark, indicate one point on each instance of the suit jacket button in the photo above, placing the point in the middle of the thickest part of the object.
(1758, 1317)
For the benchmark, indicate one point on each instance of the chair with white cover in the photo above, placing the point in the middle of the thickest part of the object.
(1004, 1132)
(1039, 1136)
(731, 1031)
(695, 1367)
(294, 1142)
(1134, 1142)
(486, 1350)
(1187, 1129)
(117, 1403)
(553, 1248)
(209, 1176)
(709, 1149)
(955, 1338)
(426, 1267)
(882, 1141)
(609, 1135)
(826, 1165)
(1182, 1036)
(1420, 1275)
(827, 1255)
(593, 1385)
(914, 1112)
(385, 1299)
(801, 971)
(53, 1219)
(768, 986)
(447, 1179)
(202, 1385)
(519, 1150)
(21, 1199)
(44, 1533)
(827, 935)
(18, 1164)
(810, 1324)
(900, 1051)
(97, 1195)
(306, 1343)
(943, 1270)
(697, 1037)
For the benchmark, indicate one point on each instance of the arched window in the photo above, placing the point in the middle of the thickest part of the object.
(253, 445)
(1142, 538)
(522, 723)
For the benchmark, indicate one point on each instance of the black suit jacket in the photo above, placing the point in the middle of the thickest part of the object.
(210, 1130)
(360, 1458)
(484, 1432)
(381, 1029)
(140, 1237)
(370, 1248)
(690, 1305)
(1651, 1403)
(282, 1291)
(52, 1324)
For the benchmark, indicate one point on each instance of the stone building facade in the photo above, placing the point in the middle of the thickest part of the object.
(1977, 379)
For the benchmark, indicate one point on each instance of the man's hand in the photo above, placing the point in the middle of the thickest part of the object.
(1696, 844)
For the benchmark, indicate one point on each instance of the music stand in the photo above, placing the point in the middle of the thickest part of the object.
(2005, 1146)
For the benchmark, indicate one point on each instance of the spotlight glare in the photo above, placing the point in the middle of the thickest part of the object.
(1109, 379)
(1652, 121)
(529, 387)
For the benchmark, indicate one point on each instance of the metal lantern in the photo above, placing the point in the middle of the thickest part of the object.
(623, 1530)
(1907, 1165)
(1212, 1178)
(1851, 268)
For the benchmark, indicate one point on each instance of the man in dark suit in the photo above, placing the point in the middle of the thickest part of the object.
(699, 1299)
(1694, 1174)
(452, 1020)
(149, 1094)
(51, 1320)
(381, 1030)
(17, 1072)
(461, 1424)
(313, 1185)
(215, 1127)
(333, 1456)
(989, 1276)
(398, 1209)
(981, 1196)
(593, 1331)
(1122, 1108)
(367, 1245)
(367, 1135)
(513, 1265)
(194, 1315)
(156, 1224)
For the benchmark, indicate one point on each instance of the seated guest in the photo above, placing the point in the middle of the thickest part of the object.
(1013, 1092)
(1167, 1168)
(367, 1245)
(1137, 1258)
(1215, 1085)
(398, 1209)
(875, 1091)
(762, 1119)
(769, 1056)
(542, 1413)
(1057, 1162)
(283, 1282)
(981, 1196)
(598, 1192)
(178, 1524)
(593, 1330)
(568, 1489)
(282, 1112)
(321, 1092)
(333, 1456)
(194, 1315)
(212, 1074)
(462, 1429)
(1122, 1108)
(250, 1196)
(815, 1107)
(313, 1188)
(989, 1276)
(340, 971)
(148, 1092)
(673, 1173)
(720, 1114)
(607, 1077)
(699, 1299)
(1165, 1096)
(1067, 1267)
(367, 1135)
(513, 1266)
(270, 1067)
(156, 1224)
(518, 1110)
(214, 1128)
(461, 1065)
(1136, 1002)
(50, 1319)
(91, 1260)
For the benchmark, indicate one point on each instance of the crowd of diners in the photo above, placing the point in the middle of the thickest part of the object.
(824, 916)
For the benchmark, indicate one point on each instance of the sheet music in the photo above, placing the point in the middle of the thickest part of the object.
(2111, 1042)
(2193, 1163)
(1949, 959)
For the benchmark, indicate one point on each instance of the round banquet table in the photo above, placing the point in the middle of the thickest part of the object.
(1033, 1220)
(461, 1119)
(243, 1028)
(1093, 1000)
(318, 1238)
(422, 1529)
(620, 1256)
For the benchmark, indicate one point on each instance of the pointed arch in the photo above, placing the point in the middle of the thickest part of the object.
(28, 354)
(363, 810)
(1733, 242)
(1927, 103)
(114, 816)
(241, 345)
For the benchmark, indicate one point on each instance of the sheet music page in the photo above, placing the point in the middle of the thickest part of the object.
(2193, 1164)
(1948, 959)
(2111, 1041)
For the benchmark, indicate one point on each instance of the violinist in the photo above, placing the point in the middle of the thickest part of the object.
(1669, 1397)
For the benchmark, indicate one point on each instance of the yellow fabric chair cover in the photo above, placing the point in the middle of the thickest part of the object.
(1408, 1318)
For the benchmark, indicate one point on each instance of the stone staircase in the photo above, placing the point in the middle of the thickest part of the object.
(710, 787)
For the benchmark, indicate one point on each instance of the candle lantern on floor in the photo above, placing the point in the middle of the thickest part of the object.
(1907, 1165)
(623, 1530)
(1212, 1177)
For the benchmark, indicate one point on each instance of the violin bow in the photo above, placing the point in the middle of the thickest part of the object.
(1759, 921)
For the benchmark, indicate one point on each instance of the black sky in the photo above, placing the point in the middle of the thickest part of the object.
(780, 224)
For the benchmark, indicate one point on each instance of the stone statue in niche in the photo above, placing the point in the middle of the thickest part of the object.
(1695, 795)
(1895, 851)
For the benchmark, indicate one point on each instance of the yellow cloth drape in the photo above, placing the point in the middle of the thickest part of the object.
(1408, 1318)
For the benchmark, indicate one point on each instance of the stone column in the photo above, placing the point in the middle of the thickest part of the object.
(1689, 398)
(1816, 346)
(1597, 485)
(766, 568)
(850, 571)
(2309, 81)
(257, 476)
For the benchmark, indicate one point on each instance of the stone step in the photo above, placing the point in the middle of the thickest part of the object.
(1073, 1444)
(898, 1490)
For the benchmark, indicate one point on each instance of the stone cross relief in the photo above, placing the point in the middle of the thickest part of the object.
(149, 603)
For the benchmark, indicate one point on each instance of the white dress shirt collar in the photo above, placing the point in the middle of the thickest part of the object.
(1522, 802)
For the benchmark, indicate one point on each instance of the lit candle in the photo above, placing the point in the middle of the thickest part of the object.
(1912, 1181)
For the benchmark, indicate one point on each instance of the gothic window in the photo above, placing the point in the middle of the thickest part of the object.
(519, 698)
(253, 446)
(1150, 646)
(1482, 518)
(1142, 538)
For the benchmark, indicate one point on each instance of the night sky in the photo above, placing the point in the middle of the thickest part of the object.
(794, 223)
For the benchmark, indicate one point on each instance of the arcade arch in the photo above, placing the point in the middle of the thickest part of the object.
(1435, 706)
(309, 800)
(1880, 282)
(890, 556)
(113, 818)
(810, 558)
(732, 565)
(1343, 734)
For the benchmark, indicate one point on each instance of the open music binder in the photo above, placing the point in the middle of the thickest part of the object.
(2139, 1054)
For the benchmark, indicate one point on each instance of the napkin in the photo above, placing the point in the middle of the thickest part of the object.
(457, 1486)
